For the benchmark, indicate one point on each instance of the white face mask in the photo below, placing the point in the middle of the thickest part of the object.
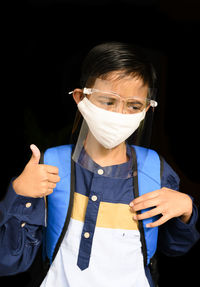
(109, 128)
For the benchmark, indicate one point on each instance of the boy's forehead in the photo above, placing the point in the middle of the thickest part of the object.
(127, 86)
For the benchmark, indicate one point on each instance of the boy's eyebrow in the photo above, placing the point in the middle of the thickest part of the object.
(135, 101)
(107, 92)
(104, 96)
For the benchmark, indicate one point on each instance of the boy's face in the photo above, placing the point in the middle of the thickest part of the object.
(126, 88)
(112, 108)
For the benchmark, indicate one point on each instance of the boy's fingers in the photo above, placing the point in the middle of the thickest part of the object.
(147, 196)
(146, 204)
(148, 214)
(143, 198)
(53, 178)
(158, 222)
(51, 169)
(51, 185)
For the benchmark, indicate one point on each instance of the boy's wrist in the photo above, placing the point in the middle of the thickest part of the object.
(187, 215)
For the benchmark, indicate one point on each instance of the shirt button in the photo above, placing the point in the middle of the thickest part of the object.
(100, 171)
(94, 198)
(86, 234)
(28, 204)
(23, 224)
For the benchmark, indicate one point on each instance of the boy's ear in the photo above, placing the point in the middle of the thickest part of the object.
(78, 95)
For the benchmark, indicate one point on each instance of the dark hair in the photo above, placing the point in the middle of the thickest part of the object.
(128, 59)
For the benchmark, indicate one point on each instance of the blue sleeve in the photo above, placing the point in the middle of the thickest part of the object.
(176, 237)
(21, 229)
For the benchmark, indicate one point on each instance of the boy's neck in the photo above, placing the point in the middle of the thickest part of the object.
(103, 156)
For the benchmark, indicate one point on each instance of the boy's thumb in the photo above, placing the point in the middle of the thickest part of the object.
(35, 158)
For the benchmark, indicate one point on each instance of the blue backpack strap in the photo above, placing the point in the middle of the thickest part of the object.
(58, 201)
(148, 172)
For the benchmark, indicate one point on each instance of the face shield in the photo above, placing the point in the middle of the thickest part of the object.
(112, 115)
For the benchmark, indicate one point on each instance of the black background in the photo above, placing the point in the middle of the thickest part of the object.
(43, 44)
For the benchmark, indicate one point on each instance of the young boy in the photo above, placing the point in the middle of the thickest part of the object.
(111, 205)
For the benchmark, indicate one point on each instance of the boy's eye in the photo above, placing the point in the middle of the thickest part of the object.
(107, 101)
(135, 106)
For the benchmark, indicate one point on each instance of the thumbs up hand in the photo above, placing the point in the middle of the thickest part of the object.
(36, 180)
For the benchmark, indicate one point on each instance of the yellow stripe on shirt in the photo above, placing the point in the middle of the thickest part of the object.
(110, 215)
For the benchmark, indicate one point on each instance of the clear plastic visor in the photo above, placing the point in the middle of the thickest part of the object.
(114, 166)
(125, 98)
